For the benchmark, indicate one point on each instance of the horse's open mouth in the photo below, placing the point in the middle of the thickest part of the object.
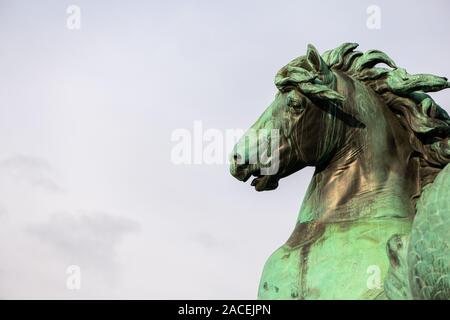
(255, 173)
(262, 182)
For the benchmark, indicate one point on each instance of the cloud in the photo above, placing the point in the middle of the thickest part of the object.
(87, 239)
(206, 240)
(34, 171)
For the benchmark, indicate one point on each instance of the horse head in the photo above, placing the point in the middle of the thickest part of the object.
(339, 101)
(303, 118)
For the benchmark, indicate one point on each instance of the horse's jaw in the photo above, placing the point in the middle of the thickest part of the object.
(260, 182)
(264, 182)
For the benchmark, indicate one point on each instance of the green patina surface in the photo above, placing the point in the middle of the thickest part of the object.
(380, 145)
(345, 254)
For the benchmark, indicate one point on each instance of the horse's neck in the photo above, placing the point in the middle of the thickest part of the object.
(371, 175)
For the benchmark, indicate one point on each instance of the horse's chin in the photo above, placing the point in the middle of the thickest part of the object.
(260, 182)
(265, 183)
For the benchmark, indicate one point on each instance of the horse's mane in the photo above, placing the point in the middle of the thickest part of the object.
(426, 122)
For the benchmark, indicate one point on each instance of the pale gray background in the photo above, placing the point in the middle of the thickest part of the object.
(85, 123)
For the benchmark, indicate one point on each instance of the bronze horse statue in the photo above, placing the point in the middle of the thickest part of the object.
(375, 220)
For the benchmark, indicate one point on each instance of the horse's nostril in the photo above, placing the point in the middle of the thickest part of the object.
(237, 157)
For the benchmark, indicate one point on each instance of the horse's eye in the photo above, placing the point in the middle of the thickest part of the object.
(294, 103)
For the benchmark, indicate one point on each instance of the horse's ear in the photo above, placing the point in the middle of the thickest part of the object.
(316, 62)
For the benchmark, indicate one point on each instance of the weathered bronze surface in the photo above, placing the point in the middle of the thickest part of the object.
(374, 207)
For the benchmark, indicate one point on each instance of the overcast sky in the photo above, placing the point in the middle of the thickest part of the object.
(86, 118)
